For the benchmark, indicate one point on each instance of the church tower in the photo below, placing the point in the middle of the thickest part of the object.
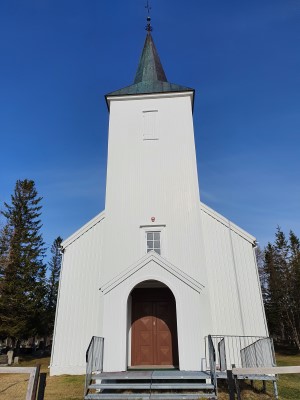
(152, 193)
(157, 271)
(152, 182)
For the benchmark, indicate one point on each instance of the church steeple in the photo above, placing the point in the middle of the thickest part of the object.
(150, 76)
(150, 68)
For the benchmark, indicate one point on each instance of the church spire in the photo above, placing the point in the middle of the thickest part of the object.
(150, 76)
(150, 68)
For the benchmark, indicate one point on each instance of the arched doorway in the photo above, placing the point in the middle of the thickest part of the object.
(153, 326)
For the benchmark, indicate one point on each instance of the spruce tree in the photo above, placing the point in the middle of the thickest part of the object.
(281, 273)
(273, 292)
(52, 283)
(294, 262)
(23, 269)
(4, 251)
(4, 257)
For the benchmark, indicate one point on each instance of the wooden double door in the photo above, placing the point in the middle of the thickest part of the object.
(154, 328)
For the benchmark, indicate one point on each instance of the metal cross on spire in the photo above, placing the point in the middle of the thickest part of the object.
(148, 26)
(148, 7)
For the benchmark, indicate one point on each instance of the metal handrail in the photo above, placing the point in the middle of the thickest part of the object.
(259, 354)
(212, 361)
(242, 351)
(94, 359)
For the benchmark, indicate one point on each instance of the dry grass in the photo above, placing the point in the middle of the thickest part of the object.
(65, 387)
(13, 386)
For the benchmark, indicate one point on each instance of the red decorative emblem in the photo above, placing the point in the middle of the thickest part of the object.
(152, 219)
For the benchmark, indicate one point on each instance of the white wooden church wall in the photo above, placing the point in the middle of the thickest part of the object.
(234, 287)
(249, 287)
(79, 309)
(223, 291)
(152, 178)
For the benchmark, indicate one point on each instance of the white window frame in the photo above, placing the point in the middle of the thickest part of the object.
(153, 240)
(153, 228)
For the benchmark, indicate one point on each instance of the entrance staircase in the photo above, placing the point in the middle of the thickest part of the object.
(157, 385)
(147, 384)
(233, 351)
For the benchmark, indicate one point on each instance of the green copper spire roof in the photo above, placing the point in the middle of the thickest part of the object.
(150, 76)
(150, 68)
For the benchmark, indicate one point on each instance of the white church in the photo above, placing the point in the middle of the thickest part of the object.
(157, 271)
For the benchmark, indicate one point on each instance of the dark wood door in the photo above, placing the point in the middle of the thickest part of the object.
(154, 328)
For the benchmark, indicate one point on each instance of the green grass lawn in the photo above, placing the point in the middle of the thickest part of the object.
(288, 385)
(71, 387)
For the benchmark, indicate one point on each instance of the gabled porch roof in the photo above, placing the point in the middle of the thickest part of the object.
(142, 262)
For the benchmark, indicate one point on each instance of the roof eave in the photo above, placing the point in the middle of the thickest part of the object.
(109, 96)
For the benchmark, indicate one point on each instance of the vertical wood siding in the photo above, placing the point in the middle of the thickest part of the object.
(152, 178)
(234, 287)
(79, 309)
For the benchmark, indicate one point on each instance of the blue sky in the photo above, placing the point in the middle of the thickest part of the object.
(58, 58)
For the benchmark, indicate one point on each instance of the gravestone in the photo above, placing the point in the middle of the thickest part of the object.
(3, 359)
(10, 355)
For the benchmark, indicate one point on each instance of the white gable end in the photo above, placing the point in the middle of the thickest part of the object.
(161, 263)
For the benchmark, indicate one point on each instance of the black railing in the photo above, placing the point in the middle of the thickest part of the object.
(94, 359)
(242, 351)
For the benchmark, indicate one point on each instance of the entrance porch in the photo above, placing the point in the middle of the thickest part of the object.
(154, 316)
(246, 352)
